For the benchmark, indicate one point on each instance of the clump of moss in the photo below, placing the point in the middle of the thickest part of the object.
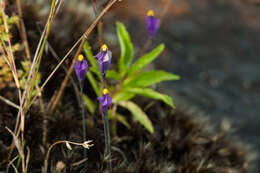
(182, 144)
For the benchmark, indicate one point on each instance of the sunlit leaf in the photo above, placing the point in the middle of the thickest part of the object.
(145, 79)
(13, 20)
(4, 37)
(112, 74)
(120, 118)
(91, 59)
(91, 106)
(146, 59)
(93, 83)
(122, 95)
(94, 70)
(150, 93)
(126, 48)
(138, 114)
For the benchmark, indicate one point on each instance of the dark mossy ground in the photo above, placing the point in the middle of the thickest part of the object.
(181, 143)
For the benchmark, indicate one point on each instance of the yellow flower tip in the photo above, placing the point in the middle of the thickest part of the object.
(104, 47)
(105, 91)
(81, 57)
(150, 13)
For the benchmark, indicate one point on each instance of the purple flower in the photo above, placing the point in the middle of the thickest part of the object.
(105, 101)
(104, 59)
(81, 68)
(152, 23)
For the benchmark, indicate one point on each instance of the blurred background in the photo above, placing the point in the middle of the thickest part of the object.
(215, 47)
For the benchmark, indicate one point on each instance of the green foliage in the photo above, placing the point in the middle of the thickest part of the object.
(131, 79)
(118, 117)
(91, 106)
(127, 50)
(5, 72)
(23, 74)
(10, 22)
(146, 59)
(93, 70)
(150, 93)
(112, 74)
(139, 114)
(91, 59)
(146, 79)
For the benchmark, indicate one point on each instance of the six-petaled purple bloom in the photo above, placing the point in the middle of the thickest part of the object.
(104, 59)
(81, 68)
(152, 23)
(105, 101)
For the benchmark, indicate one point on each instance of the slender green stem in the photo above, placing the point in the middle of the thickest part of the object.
(106, 125)
(107, 152)
(83, 117)
(39, 56)
(105, 134)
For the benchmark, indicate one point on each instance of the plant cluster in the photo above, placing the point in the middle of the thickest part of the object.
(130, 79)
(6, 73)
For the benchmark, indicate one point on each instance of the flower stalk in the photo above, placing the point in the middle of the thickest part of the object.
(106, 101)
(81, 68)
(104, 59)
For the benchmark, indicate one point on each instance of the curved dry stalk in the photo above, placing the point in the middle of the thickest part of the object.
(19, 147)
(11, 163)
(9, 102)
(22, 30)
(27, 158)
(117, 168)
(86, 144)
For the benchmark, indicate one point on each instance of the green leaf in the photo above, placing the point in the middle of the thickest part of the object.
(122, 120)
(145, 79)
(146, 59)
(122, 95)
(4, 36)
(112, 74)
(126, 46)
(150, 93)
(119, 118)
(89, 54)
(91, 106)
(138, 114)
(93, 83)
(13, 20)
(94, 70)
(91, 59)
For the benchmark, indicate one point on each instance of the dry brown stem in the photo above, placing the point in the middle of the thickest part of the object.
(22, 30)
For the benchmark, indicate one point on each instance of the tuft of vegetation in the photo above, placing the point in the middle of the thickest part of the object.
(5, 71)
(130, 79)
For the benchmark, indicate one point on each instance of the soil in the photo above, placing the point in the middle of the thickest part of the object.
(181, 143)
